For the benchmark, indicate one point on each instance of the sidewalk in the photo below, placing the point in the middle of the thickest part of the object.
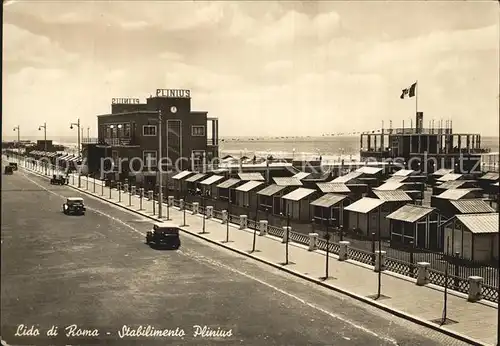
(403, 297)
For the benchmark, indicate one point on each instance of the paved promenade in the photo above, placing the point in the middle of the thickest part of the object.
(476, 321)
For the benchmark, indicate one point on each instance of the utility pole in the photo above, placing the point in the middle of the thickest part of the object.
(159, 164)
(44, 126)
(77, 124)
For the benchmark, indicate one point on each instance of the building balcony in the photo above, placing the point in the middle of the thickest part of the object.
(114, 142)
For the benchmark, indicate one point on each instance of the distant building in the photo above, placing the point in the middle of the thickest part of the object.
(424, 149)
(131, 131)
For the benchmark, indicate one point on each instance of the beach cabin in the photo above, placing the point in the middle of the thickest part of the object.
(473, 237)
(330, 206)
(192, 183)
(433, 178)
(371, 176)
(393, 200)
(417, 224)
(246, 195)
(208, 187)
(487, 183)
(297, 203)
(442, 201)
(226, 189)
(270, 198)
(454, 184)
(469, 206)
(365, 217)
(179, 184)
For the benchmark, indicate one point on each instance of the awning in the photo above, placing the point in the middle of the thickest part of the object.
(270, 190)
(347, 178)
(63, 158)
(480, 223)
(301, 175)
(410, 213)
(397, 179)
(228, 183)
(454, 184)
(328, 200)
(490, 176)
(248, 186)
(454, 194)
(287, 181)
(472, 206)
(211, 180)
(443, 171)
(389, 186)
(298, 194)
(364, 205)
(251, 176)
(181, 175)
(333, 187)
(403, 173)
(393, 196)
(450, 176)
(369, 170)
(195, 177)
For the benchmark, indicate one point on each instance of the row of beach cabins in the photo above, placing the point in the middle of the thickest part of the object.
(460, 217)
(453, 213)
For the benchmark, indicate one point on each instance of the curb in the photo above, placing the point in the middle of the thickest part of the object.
(355, 296)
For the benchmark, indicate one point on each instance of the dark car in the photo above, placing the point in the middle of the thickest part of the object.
(58, 180)
(163, 235)
(74, 206)
(8, 170)
(13, 165)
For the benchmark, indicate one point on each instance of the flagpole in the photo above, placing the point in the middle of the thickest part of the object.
(416, 97)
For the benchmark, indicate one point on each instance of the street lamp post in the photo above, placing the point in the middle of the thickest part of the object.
(327, 238)
(77, 124)
(255, 226)
(44, 126)
(18, 129)
(228, 214)
(287, 233)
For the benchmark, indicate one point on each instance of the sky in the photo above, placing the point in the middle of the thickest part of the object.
(263, 68)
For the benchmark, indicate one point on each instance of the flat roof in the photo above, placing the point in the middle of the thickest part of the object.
(298, 194)
(364, 205)
(271, 190)
(410, 213)
(328, 200)
(249, 185)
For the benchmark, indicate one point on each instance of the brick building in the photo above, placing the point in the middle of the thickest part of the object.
(131, 131)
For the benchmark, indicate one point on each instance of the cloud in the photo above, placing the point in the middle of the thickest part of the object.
(418, 49)
(23, 46)
(294, 27)
(167, 55)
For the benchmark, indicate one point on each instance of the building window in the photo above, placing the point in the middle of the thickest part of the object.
(126, 130)
(149, 130)
(198, 130)
(108, 131)
(149, 157)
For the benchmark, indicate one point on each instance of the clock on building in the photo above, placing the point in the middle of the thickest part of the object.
(173, 109)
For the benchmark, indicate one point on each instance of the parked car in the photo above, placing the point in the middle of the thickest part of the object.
(13, 165)
(58, 180)
(74, 206)
(163, 234)
(8, 170)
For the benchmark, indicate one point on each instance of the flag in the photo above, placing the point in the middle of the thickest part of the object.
(410, 92)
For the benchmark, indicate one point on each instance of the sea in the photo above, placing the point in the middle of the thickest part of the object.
(330, 148)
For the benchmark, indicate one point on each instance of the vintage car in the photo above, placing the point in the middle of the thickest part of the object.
(74, 206)
(13, 165)
(8, 170)
(163, 235)
(58, 180)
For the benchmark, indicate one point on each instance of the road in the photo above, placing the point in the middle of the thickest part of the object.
(95, 272)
